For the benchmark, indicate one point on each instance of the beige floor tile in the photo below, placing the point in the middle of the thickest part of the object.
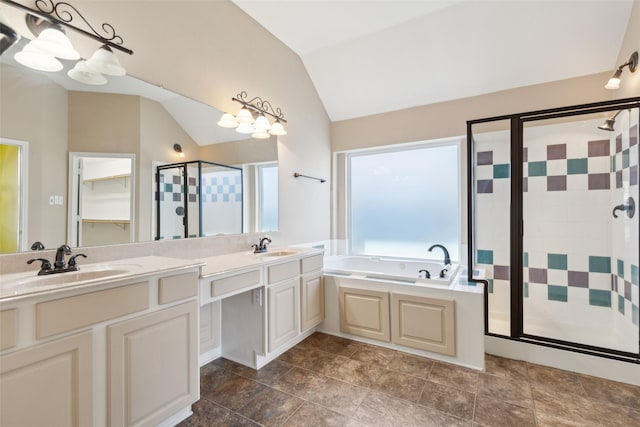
(400, 385)
(451, 400)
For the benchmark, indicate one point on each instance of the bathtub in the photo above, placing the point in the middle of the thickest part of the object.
(404, 271)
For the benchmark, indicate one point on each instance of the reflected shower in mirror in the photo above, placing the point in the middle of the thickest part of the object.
(47, 116)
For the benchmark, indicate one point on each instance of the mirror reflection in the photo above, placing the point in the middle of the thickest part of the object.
(62, 145)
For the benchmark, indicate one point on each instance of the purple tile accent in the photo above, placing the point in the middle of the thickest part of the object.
(192, 198)
(633, 135)
(192, 180)
(614, 283)
(501, 272)
(177, 197)
(578, 279)
(633, 175)
(525, 154)
(525, 184)
(627, 290)
(485, 157)
(557, 183)
(619, 143)
(558, 151)
(618, 179)
(599, 181)
(599, 148)
(176, 179)
(538, 275)
(485, 186)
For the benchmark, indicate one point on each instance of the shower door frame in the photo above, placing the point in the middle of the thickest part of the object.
(516, 225)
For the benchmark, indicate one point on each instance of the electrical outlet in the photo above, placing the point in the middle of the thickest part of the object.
(52, 200)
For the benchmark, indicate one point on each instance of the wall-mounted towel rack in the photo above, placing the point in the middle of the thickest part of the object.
(298, 175)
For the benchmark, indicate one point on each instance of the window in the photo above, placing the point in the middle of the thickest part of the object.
(402, 201)
(268, 197)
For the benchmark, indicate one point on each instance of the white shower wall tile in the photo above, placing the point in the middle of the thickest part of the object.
(557, 277)
(556, 167)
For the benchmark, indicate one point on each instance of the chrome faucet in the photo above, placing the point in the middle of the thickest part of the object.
(261, 246)
(447, 259)
(59, 265)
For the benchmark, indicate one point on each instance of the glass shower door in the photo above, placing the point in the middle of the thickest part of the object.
(580, 236)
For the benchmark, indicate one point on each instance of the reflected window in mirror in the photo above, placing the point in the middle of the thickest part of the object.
(268, 197)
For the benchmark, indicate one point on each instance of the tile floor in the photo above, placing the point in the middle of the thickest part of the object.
(332, 381)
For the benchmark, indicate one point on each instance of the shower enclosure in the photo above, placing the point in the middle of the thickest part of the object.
(197, 199)
(553, 227)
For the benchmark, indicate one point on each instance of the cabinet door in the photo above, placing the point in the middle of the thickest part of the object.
(48, 384)
(153, 366)
(365, 313)
(423, 323)
(284, 312)
(312, 300)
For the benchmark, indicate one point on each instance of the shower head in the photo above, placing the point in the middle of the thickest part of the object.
(609, 124)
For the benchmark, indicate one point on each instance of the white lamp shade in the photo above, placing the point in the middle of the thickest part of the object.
(262, 123)
(245, 128)
(104, 61)
(613, 83)
(277, 129)
(56, 43)
(228, 121)
(81, 73)
(260, 134)
(244, 116)
(32, 57)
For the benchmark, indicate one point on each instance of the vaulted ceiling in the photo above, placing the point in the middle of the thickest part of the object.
(372, 56)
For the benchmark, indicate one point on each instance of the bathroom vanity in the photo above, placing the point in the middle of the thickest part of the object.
(121, 343)
(117, 349)
(253, 307)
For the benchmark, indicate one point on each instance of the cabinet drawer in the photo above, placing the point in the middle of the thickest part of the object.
(66, 314)
(8, 324)
(311, 263)
(236, 282)
(279, 272)
(174, 288)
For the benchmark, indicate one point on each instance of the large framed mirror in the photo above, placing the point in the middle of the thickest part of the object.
(48, 115)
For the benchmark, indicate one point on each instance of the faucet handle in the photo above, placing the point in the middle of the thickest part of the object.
(44, 267)
(73, 264)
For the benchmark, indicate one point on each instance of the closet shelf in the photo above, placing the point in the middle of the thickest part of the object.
(106, 178)
(106, 221)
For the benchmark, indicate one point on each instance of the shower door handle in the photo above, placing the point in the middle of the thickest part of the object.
(629, 207)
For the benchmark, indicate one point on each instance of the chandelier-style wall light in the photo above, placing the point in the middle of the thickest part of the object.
(47, 23)
(260, 127)
(614, 81)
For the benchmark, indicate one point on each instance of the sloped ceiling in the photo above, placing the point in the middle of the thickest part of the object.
(373, 56)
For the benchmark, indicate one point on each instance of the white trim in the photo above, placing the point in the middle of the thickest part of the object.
(23, 190)
(602, 367)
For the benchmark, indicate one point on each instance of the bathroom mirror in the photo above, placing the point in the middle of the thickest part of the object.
(48, 115)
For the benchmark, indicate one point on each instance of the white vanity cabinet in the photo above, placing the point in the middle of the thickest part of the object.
(254, 313)
(113, 353)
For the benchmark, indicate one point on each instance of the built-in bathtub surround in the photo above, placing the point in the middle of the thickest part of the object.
(580, 263)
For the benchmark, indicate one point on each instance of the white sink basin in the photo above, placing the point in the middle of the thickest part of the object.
(278, 253)
(86, 273)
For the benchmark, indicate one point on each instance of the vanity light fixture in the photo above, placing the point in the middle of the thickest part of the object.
(178, 149)
(614, 81)
(260, 128)
(47, 22)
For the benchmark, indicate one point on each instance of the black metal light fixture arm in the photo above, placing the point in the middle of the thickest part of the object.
(259, 105)
(61, 14)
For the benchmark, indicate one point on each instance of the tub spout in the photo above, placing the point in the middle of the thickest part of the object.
(427, 275)
(447, 259)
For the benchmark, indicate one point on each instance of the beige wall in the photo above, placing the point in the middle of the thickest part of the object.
(630, 82)
(25, 101)
(239, 152)
(210, 51)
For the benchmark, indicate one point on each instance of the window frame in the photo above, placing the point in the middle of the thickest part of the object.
(458, 142)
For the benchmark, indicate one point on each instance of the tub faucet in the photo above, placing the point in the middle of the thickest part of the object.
(427, 275)
(261, 246)
(447, 259)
